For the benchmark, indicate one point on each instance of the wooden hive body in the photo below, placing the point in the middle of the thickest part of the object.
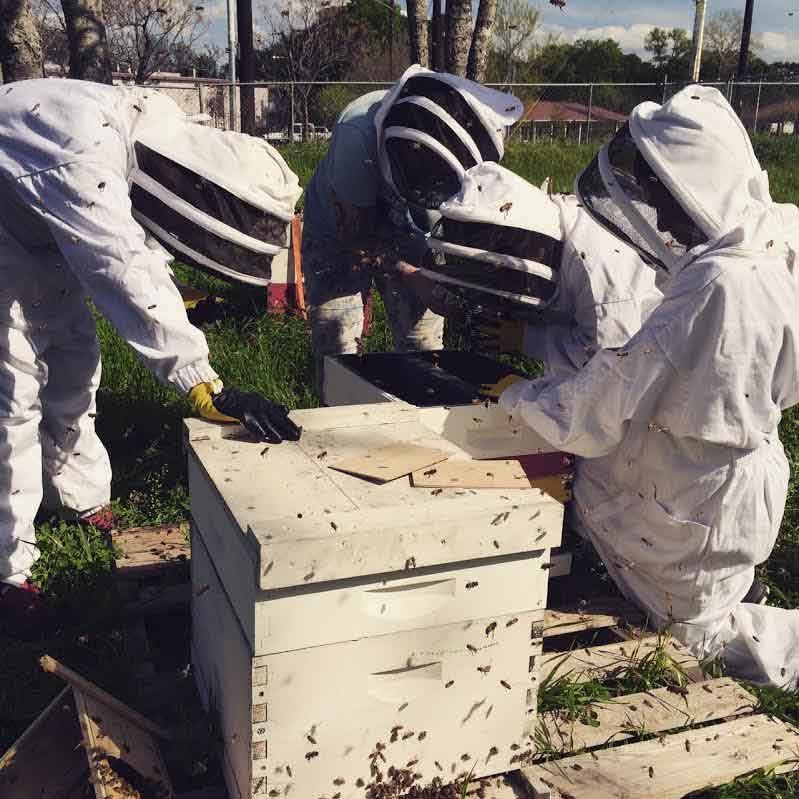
(329, 611)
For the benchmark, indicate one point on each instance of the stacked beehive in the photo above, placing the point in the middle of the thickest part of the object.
(341, 627)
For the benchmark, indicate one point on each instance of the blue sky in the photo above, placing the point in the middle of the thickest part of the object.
(626, 21)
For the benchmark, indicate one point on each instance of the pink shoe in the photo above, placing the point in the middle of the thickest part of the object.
(101, 518)
(23, 609)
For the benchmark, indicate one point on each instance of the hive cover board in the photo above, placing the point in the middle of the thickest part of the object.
(426, 379)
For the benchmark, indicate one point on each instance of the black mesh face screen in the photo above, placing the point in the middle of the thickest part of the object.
(452, 101)
(410, 115)
(420, 175)
(528, 244)
(233, 256)
(211, 199)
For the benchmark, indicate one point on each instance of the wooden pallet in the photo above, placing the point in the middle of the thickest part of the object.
(152, 567)
(707, 733)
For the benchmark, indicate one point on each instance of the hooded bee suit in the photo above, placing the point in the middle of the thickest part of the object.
(593, 291)
(400, 153)
(682, 422)
(72, 155)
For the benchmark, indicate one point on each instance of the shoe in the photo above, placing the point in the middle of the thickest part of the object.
(757, 593)
(101, 518)
(23, 609)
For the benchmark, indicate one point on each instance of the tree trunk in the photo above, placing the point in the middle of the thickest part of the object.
(20, 45)
(437, 36)
(481, 41)
(88, 48)
(417, 31)
(459, 35)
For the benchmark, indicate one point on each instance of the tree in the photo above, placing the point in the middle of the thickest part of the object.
(145, 34)
(458, 35)
(88, 47)
(308, 46)
(481, 40)
(417, 31)
(52, 32)
(657, 43)
(20, 45)
(723, 40)
(514, 32)
(670, 49)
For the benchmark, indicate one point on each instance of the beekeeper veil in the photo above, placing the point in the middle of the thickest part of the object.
(500, 244)
(432, 127)
(219, 200)
(678, 176)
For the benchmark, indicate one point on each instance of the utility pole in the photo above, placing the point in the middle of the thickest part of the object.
(246, 65)
(232, 55)
(746, 33)
(699, 38)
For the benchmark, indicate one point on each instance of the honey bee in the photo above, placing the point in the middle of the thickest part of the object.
(472, 584)
(471, 648)
(505, 209)
(505, 684)
(311, 755)
(491, 627)
(484, 669)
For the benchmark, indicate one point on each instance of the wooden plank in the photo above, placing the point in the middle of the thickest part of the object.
(653, 711)
(52, 666)
(594, 615)
(506, 474)
(672, 766)
(388, 463)
(598, 661)
(53, 739)
(119, 747)
(150, 551)
(560, 562)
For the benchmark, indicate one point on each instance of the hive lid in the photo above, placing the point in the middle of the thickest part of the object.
(306, 523)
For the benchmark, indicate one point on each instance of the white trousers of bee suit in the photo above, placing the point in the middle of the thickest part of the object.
(49, 374)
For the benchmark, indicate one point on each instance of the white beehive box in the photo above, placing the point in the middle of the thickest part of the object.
(329, 610)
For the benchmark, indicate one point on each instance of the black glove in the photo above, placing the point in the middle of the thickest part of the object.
(267, 420)
(206, 311)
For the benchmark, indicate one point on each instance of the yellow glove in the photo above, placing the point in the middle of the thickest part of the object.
(191, 296)
(498, 337)
(494, 390)
(201, 398)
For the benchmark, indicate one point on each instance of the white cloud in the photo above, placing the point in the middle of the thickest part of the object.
(779, 46)
(630, 38)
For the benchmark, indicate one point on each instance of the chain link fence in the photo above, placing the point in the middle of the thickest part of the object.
(579, 112)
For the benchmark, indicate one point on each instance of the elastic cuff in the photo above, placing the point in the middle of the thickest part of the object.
(188, 377)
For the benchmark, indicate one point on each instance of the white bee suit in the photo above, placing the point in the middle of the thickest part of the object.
(67, 233)
(604, 288)
(682, 422)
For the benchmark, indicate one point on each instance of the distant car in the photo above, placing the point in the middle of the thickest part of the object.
(314, 134)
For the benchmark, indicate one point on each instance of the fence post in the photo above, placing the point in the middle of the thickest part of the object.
(291, 132)
(665, 86)
(757, 105)
(590, 108)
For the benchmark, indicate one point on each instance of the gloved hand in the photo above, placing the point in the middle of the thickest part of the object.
(494, 390)
(266, 420)
(201, 307)
(497, 337)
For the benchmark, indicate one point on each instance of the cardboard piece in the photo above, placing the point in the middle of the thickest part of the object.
(390, 462)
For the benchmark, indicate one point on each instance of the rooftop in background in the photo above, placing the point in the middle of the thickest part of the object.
(551, 111)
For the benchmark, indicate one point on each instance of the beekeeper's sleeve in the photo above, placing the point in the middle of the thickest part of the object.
(588, 414)
(87, 209)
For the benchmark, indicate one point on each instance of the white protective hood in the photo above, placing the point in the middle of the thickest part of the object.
(218, 198)
(490, 113)
(697, 146)
(506, 225)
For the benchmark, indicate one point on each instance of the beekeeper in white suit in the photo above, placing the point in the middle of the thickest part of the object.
(514, 234)
(682, 422)
(84, 169)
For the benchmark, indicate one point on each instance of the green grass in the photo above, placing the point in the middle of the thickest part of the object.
(140, 422)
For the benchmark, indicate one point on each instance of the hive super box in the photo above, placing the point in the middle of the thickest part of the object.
(332, 614)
